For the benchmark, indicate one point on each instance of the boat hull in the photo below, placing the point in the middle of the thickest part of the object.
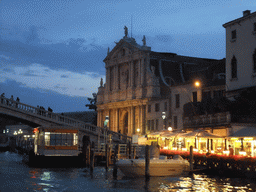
(158, 167)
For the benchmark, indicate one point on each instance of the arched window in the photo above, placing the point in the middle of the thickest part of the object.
(233, 67)
(254, 61)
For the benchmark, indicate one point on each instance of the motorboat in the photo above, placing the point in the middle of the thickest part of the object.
(158, 166)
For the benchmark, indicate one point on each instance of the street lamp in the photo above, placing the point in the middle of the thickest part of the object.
(197, 83)
(163, 117)
(169, 128)
(106, 126)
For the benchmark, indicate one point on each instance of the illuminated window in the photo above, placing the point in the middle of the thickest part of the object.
(60, 139)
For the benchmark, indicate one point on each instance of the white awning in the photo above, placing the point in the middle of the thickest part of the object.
(245, 132)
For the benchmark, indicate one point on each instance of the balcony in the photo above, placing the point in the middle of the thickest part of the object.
(211, 120)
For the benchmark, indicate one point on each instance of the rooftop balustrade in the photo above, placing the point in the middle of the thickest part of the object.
(217, 119)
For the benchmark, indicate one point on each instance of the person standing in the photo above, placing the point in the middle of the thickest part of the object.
(2, 98)
(231, 150)
(17, 102)
(11, 102)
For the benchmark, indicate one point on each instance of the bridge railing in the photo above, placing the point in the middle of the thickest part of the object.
(61, 119)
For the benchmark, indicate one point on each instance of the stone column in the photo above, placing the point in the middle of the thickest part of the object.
(117, 120)
(115, 77)
(99, 118)
(140, 119)
(143, 119)
(143, 70)
(108, 79)
(132, 120)
(140, 72)
(129, 120)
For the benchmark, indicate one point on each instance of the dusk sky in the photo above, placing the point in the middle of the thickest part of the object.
(52, 51)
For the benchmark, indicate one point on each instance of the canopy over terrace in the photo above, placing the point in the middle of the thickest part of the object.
(202, 140)
(244, 141)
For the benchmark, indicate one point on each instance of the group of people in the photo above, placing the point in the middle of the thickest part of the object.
(11, 101)
(41, 111)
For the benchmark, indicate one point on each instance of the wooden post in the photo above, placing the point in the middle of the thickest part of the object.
(191, 158)
(208, 146)
(115, 159)
(134, 152)
(130, 150)
(118, 152)
(106, 155)
(92, 160)
(147, 162)
(88, 155)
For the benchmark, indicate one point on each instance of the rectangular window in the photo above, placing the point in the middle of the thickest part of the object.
(165, 106)
(175, 122)
(148, 125)
(156, 124)
(218, 94)
(157, 107)
(177, 98)
(60, 139)
(152, 125)
(149, 108)
(233, 34)
(254, 26)
(234, 68)
(206, 95)
(194, 96)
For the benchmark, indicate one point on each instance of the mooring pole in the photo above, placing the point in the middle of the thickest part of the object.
(191, 158)
(92, 159)
(115, 160)
(147, 162)
(130, 149)
(106, 155)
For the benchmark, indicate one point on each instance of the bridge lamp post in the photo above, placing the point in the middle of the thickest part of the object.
(106, 127)
(164, 118)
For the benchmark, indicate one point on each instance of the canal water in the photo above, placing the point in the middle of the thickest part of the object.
(15, 175)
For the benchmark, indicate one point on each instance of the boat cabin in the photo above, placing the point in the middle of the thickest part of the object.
(56, 141)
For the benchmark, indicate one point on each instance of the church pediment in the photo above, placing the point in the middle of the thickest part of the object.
(123, 48)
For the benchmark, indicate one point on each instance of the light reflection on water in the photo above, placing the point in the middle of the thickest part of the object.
(16, 176)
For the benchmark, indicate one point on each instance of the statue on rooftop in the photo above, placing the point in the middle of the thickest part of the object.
(101, 82)
(144, 40)
(108, 50)
(125, 31)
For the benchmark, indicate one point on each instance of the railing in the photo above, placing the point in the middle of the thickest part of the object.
(60, 119)
(123, 149)
(207, 120)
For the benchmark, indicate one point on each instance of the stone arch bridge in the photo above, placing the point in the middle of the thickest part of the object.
(34, 117)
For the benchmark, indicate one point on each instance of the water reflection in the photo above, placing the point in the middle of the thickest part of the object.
(16, 176)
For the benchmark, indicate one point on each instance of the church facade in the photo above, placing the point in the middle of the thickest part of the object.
(138, 87)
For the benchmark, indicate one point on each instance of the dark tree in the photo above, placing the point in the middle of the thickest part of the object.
(92, 101)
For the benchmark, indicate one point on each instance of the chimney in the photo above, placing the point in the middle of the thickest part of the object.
(246, 12)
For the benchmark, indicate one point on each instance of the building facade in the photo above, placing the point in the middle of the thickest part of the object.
(240, 53)
(141, 85)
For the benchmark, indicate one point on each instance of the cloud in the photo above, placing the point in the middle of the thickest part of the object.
(47, 98)
(62, 81)
(5, 57)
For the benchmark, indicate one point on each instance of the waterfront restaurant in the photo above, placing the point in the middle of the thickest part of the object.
(244, 141)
